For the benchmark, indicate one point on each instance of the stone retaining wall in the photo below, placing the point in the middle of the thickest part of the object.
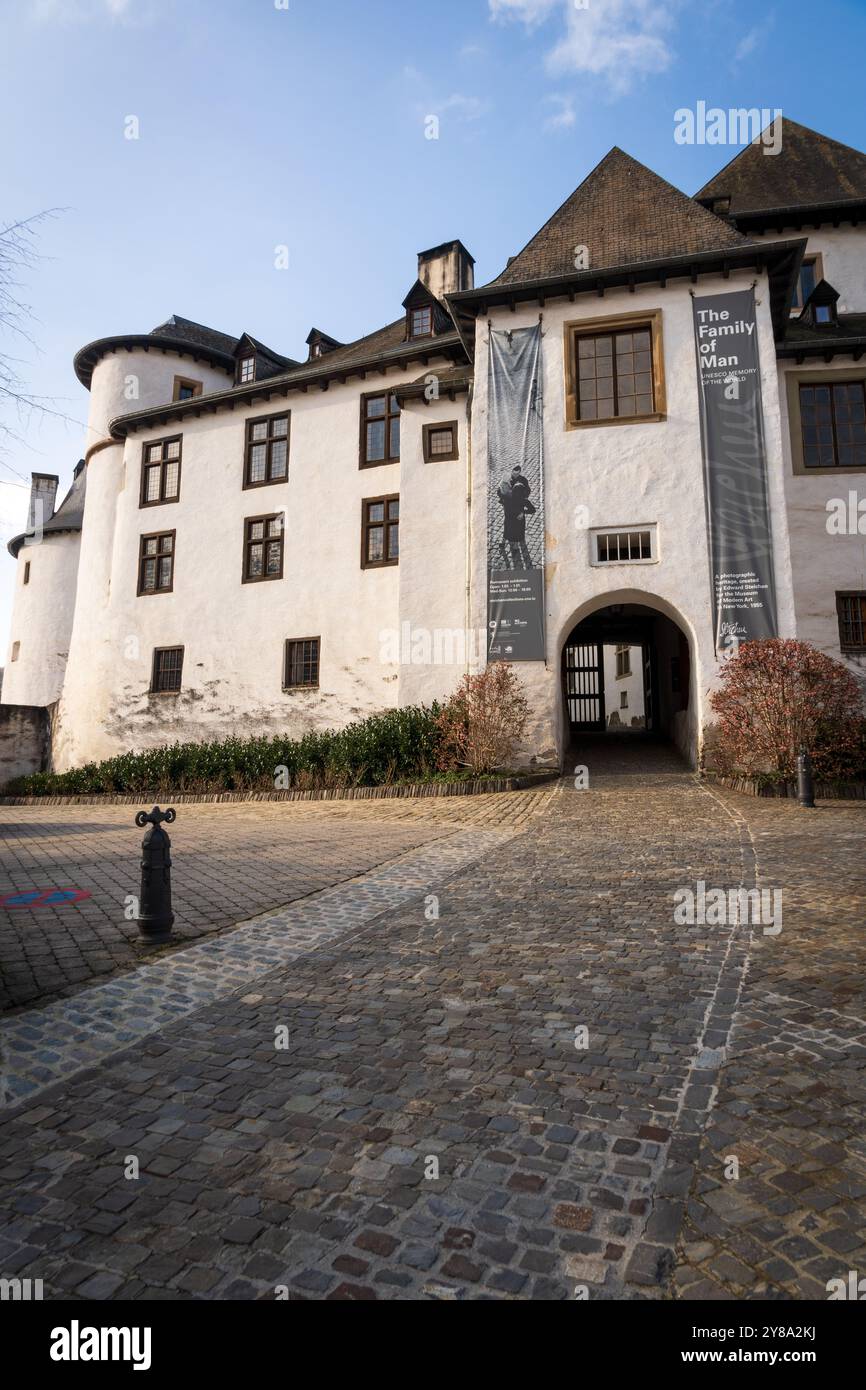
(418, 789)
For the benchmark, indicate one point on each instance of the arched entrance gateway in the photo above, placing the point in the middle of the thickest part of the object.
(628, 669)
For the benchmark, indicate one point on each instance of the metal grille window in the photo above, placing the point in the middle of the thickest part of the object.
(167, 670)
(160, 473)
(302, 663)
(380, 542)
(615, 375)
(263, 548)
(156, 563)
(833, 417)
(851, 610)
(380, 429)
(267, 451)
(616, 546)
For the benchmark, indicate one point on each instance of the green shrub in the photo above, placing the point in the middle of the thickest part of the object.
(398, 745)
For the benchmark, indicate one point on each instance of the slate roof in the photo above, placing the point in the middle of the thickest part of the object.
(624, 214)
(846, 335)
(375, 352)
(69, 516)
(269, 362)
(179, 334)
(810, 171)
(186, 330)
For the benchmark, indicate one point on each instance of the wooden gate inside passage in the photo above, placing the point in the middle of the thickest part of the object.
(584, 686)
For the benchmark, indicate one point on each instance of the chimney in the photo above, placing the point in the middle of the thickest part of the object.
(446, 269)
(43, 495)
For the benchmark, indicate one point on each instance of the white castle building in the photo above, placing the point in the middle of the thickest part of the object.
(256, 544)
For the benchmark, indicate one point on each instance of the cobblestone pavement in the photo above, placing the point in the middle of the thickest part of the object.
(791, 1103)
(232, 861)
(420, 1045)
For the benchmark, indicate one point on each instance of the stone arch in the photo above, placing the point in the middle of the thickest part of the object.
(685, 724)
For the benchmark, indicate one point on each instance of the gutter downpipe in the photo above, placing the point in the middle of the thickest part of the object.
(468, 611)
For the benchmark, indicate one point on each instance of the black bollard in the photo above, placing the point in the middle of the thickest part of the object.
(805, 784)
(155, 917)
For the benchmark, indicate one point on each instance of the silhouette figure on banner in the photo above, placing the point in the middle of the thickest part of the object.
(513, 494)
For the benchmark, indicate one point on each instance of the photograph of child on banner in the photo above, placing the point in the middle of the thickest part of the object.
(513, 493)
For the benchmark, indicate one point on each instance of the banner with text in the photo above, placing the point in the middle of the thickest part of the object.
(735, 468)
(515, 498)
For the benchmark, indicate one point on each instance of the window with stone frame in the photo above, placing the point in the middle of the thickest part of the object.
(263, 548)
(266, 458)
(833, 424)
(156, 563)
(615, 370)
(160, 472)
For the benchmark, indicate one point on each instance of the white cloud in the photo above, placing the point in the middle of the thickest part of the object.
(617, 40)
(84, 11)
(753, 39)
(531, 12)
(564, 117)
(464, 108)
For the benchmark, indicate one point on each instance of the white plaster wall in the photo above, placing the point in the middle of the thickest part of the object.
(124, 382)
(42, 619)
(632, 684)
(234, 633)
(822, 563)
(624, 475)
(433, 562)
(843, 253)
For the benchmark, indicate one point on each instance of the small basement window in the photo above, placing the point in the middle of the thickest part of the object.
(633, 546)
(851, 611)
(301, 669)
(167, 670)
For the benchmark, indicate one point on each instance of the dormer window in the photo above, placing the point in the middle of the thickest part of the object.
(421, 322)
(247, 369)
(821, 307)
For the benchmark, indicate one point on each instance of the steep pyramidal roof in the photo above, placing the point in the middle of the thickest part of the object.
(188, 331)
(69, 515)
(809, 170)
(624, 214)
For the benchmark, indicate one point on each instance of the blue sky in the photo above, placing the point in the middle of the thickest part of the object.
(301, 123)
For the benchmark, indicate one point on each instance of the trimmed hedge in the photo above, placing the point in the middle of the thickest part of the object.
(397, 746)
